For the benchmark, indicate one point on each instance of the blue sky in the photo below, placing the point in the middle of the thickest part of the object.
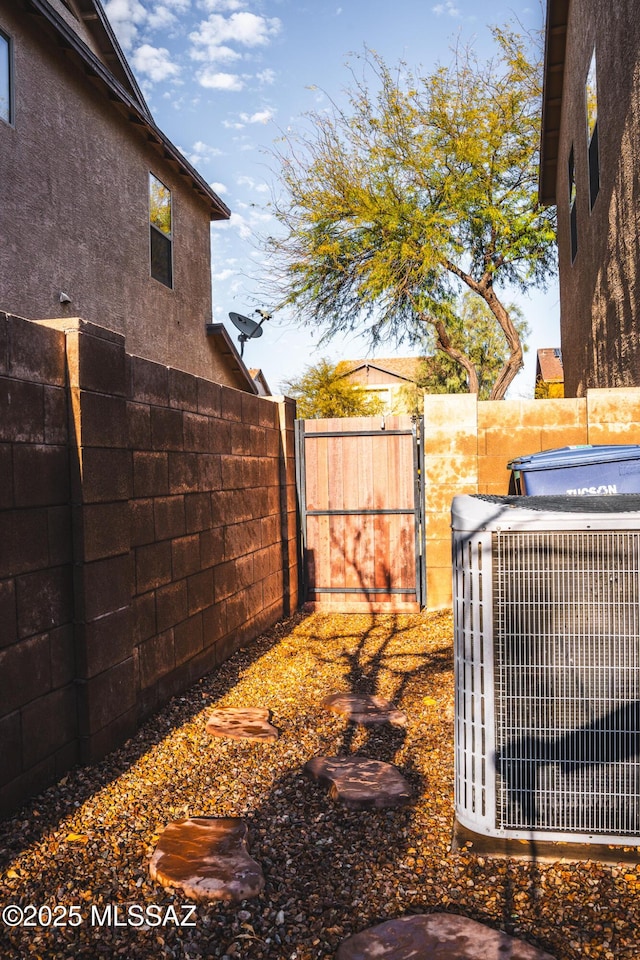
(225, 78)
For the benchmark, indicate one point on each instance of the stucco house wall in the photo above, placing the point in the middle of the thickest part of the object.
(74, 205)
(599, 287)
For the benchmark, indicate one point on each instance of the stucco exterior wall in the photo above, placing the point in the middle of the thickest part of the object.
(74, 213)
(600, 290)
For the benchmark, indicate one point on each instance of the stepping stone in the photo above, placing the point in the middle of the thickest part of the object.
(360, 782)
(207, 858)
(241, 723)
(436, 936)
(365, 708)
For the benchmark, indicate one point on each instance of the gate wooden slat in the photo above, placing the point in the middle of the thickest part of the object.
(357, 489)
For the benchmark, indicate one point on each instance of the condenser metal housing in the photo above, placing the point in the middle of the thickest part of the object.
(547, 667)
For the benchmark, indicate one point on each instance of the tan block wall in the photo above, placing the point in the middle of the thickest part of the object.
(468, 444)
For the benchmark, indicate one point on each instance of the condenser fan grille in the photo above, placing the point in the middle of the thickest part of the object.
(566, 661)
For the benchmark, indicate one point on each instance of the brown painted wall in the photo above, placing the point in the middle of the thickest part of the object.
(74, 213)
(469, 443)
(600, 291)
(148, 530)
(38, 725)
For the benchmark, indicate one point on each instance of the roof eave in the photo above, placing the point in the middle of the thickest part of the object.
(226, 348)
(554, 57)
(135, 111)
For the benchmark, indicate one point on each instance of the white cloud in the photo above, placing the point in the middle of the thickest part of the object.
(161, 17)
(233, 125)
(223, 54)
(219, 188)
(155, 62)
(261, 116)
(266, 77)
(447, 7)
(200, 152)
(211, 40)
(258, 185)
(212, 5)
(236, 222)
(223, 275)
(125, 17)
(205, 149)
(213, 80)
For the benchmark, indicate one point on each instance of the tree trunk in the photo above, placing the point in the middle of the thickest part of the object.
(444, 343)
(513, 364)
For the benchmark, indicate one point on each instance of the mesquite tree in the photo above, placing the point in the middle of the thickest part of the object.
(422, 187)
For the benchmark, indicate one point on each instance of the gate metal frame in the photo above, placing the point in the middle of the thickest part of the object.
(419, 589)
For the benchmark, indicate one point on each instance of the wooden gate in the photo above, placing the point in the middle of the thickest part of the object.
(361, 508)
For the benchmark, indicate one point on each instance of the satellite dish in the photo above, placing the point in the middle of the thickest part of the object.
(249, 329)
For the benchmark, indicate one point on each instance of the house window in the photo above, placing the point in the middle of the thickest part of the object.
(160, 229)
(573, 221)
(591, 96)
(6, 92)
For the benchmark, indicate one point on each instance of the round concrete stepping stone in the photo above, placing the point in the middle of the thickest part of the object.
(207, 858)
(365, 708)
(360, 782)
(241, 723)
(436, 936)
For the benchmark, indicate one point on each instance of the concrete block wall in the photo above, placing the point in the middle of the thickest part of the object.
(148, 521)
(468, 444)
(38, 719)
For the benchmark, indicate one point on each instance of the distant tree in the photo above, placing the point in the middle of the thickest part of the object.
(424, 186)
(476, 333)
(548, 391)
(323, 391)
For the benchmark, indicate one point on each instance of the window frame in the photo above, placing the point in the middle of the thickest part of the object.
(159, 237)
(591, 124)
(10, 117)
(573, 214)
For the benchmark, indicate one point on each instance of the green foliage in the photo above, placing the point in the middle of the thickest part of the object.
(423, 187)
(548, 391)
(476, 332)
(322, 391)
(160, 205)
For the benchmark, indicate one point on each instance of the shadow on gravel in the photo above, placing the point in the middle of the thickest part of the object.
(44, 811)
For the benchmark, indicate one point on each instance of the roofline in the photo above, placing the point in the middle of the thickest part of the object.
(376, 366)
(228, 349)
(136, 112)
(554, 58)
(99, 26)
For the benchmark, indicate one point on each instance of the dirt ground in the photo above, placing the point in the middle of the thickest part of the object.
(79, 853)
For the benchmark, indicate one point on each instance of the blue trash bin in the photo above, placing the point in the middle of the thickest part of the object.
(590, 470)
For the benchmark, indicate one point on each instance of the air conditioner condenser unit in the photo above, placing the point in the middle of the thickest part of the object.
(547, 667)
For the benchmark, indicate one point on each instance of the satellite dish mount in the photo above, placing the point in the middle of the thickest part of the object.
(249, 329)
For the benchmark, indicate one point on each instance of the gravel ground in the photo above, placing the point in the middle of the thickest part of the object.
(81, 850)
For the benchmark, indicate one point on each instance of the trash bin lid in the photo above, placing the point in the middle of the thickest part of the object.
(577, 456)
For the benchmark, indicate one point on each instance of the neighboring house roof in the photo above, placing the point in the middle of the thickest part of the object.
(260, 381)
(401, 368)
(549, 365)
(226, 348)
(106, 67)
(554, 57)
